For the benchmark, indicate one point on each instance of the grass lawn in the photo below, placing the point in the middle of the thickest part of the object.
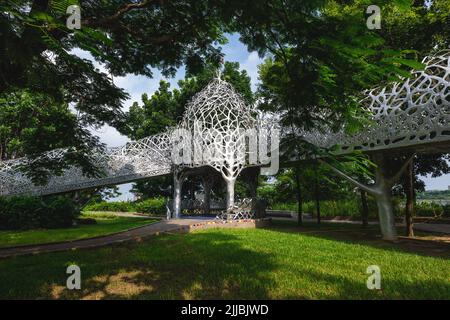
(106, 224)
(281, 261)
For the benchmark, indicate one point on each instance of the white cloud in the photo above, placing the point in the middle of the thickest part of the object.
(110, 136)
(251, 65)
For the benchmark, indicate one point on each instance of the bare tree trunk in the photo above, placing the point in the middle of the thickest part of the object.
(365, 208)
(409, 208)
(207, 186)
(299, 199)
(316, 194)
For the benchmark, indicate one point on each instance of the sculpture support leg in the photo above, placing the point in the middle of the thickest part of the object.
(230, 192)
(384, 200)
(207, 185)
(386, 216)
(177, 184)
(381, 190)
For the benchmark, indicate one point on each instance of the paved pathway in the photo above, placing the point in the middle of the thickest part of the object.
(433, 227)
(428, 227)
(136, 234)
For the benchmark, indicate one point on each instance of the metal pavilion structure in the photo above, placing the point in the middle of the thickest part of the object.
(408, 117)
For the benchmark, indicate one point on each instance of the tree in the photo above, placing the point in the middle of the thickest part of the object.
(31, 122)
(423, 27)
(38, 50)
(323, 56)
(410, 183)
(165, 109)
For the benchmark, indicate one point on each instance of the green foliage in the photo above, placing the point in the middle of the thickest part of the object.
(352, 208)
(154, 206)
(60, 213)
(31, 122)
(332, 208)
(446, 211)
(28, 212)
(116, 206)
(434, 194)
(428, 209)
(40, 54)
(165, 109)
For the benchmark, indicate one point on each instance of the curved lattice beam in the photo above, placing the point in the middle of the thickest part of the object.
(411, 113)
(134, 161)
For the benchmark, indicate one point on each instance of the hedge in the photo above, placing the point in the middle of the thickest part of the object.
(155, 206)
(118, 206)
(28, 212)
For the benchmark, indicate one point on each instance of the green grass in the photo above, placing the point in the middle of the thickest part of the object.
(105, 225)
(282, 261)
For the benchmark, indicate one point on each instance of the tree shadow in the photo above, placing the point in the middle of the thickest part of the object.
(391, 288)
(214, 265)
(188, 266)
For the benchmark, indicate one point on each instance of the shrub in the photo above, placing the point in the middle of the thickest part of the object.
(118, 206)
(343, 208)
(60, 213)
(156, 206)
(446, 212)
(22, 213)
(429, 209)
(28, 212)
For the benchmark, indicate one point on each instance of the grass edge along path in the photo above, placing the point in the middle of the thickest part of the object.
(105, 226)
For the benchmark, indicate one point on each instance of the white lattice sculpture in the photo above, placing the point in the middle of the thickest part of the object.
(134, 161)
(216, 118)
(414, 112)
(411, 113)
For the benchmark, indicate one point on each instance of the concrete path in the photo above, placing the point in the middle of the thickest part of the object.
(136, 234)
(433, 227)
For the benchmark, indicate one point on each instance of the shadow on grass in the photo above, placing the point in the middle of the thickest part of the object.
(192, 266)
(393, 289)
(369, 236)
(225, 264)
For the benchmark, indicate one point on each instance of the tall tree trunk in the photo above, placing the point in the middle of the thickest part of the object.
(365, 208)
(207, 199)
(299, 198)
(316, 193)
(409, 190)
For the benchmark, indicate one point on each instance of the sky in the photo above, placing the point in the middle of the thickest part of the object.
(234, 51)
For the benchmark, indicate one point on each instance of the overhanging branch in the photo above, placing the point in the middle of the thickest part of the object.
(370, 189)
(395, 178)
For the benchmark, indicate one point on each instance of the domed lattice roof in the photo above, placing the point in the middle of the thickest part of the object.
(218, 119)
(218, 106)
